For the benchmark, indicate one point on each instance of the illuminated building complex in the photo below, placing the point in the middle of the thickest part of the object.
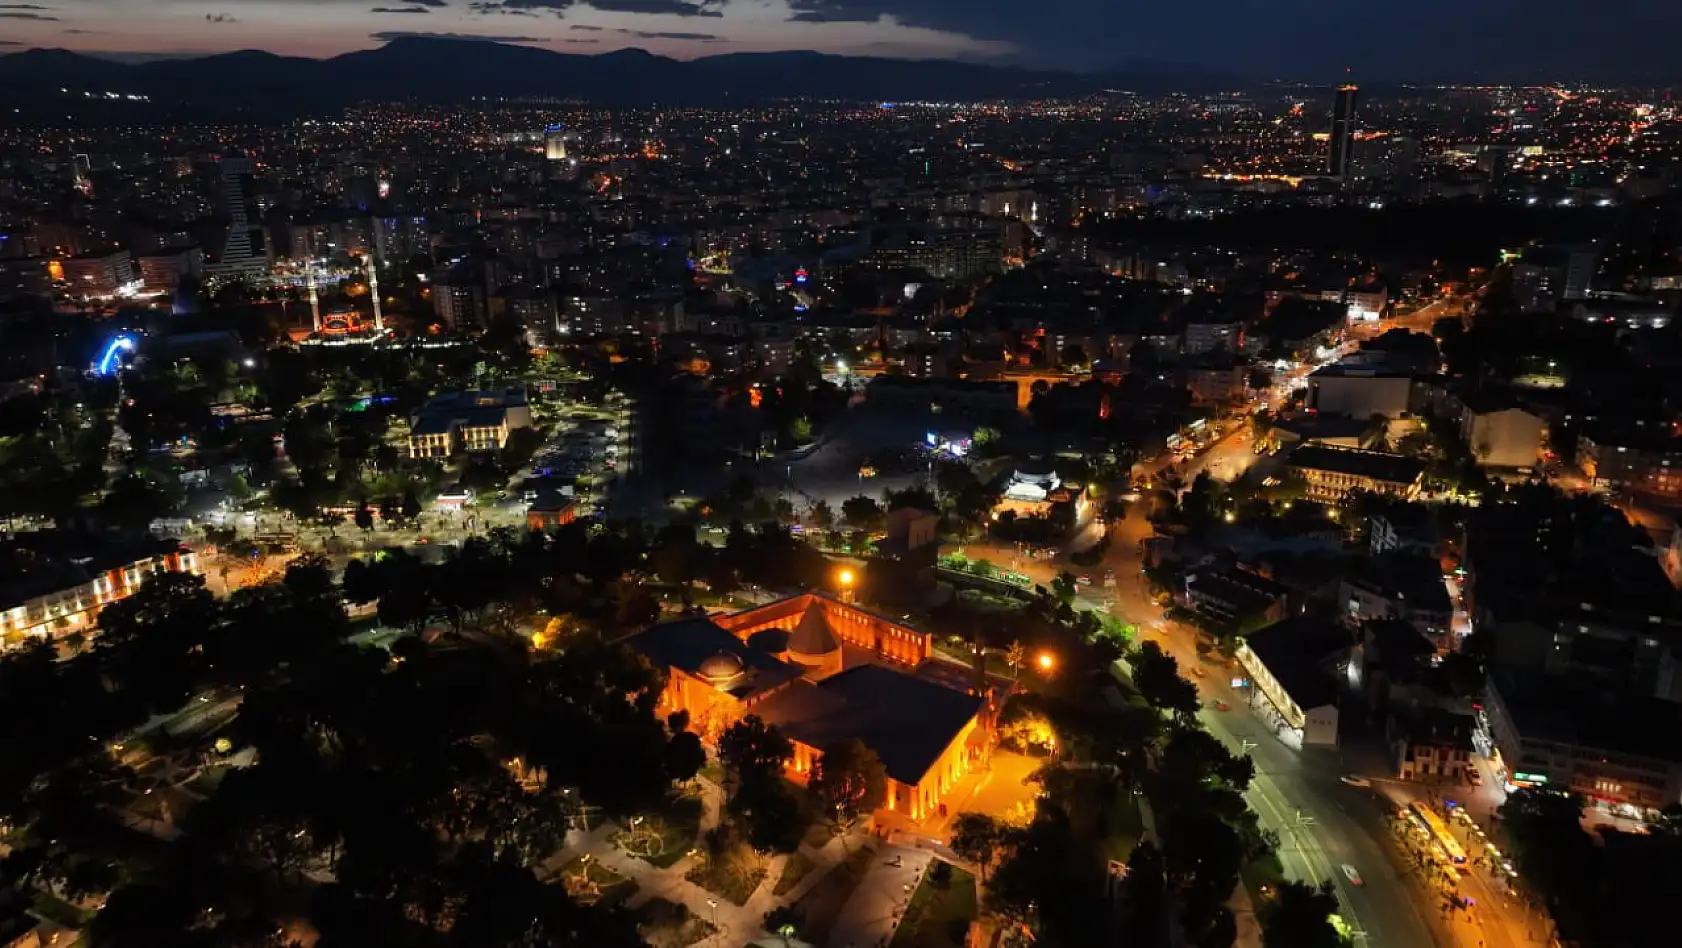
(824, 671)
(56, 587)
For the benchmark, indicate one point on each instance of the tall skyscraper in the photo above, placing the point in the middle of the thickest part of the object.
(245, 252)
(1343, 129)
(555, 143)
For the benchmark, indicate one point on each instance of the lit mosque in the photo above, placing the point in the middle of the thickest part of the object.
(825, 671)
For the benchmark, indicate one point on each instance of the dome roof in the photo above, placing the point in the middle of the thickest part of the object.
(813, 636)
(720, 669)
(774, 641)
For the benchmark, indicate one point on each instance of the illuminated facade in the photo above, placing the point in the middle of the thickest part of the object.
(51, 593)
(824, 671)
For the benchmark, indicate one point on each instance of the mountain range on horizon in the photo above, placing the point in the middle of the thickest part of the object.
(442, 70)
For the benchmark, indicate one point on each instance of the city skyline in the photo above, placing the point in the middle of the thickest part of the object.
(1434, 41)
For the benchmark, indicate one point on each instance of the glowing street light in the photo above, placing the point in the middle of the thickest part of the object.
(1046, 661)
(844, 577)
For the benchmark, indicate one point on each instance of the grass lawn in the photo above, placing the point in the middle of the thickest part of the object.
(794, 869)
(591, 883)
(822, 904)
(733, 879)
(938, 917)
(664, 838)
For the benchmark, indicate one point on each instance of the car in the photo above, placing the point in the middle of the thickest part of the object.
(1356, 780)
(1222, 706)
(1199, 672)
(1353, 876)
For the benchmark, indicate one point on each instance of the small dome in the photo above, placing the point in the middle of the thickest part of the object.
(720, 669)
(772, 641)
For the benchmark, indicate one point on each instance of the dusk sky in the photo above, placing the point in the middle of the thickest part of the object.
(1376, 39)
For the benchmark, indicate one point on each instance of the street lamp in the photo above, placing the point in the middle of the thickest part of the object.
(1046, 661)
(845, 578)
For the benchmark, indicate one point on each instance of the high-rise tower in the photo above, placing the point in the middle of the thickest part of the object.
(244, 253)
(1343, 130)
(555, 143)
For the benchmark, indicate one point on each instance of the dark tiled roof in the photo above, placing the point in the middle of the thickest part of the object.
(1295, 652)
(908, 721)
(1391, 468)
(687, 643)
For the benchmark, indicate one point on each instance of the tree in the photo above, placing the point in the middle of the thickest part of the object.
(849, 781)
(411, 508)
(684, 757)
(822, 517)
(754, 751)
(785, 921)
(1064, 587)
(364, 517)
(1300, 917)
(977, 838)
(1157, 676)
(861, 513)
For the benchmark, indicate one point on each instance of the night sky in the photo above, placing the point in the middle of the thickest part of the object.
(1299, 39)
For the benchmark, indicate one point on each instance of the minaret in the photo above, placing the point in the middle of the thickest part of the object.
(315, 301)
(374, 291)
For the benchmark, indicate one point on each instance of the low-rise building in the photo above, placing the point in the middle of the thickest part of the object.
(824, 671)
(1431, 745)
(99, 274)
(1333, 473)
(1612, 747)
(1360, 391)
(1649, 461)
(1235, 596)
(1497, 431)
(56, 584)
(1404, 528)
(1292, 665)
(475, 422)
(1401, 586)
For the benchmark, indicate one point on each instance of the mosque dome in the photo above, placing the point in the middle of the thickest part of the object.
(720, 669)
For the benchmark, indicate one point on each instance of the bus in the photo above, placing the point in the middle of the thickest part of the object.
(1446, 844)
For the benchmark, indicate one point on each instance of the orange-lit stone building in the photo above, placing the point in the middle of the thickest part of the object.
(824, 671)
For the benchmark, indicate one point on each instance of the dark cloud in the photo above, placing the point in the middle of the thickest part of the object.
(577, 41)
(13, 15)
(386, 36)
(23, 6)
(1306, 39)
(220, 18)
(487, 9)
(585, 28)
(76, 32)
(706, 8)
(400, 10)
(668, 35)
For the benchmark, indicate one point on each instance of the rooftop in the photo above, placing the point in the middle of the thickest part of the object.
(689, 644)
(1377, 465)
(1295, 651)
(1570, 711)
(907, 720)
